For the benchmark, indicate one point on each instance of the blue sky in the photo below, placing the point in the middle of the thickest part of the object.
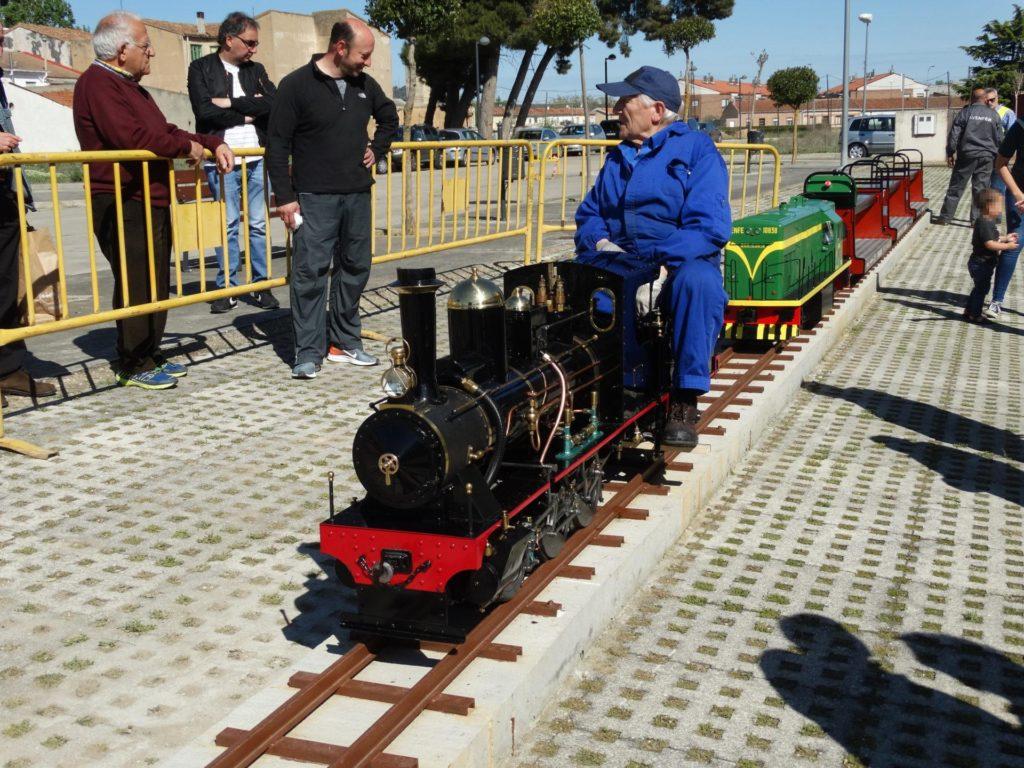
(908, 35)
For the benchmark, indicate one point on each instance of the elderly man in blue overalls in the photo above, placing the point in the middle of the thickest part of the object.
(663, 195)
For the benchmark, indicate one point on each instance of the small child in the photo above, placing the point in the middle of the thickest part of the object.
(986, 245)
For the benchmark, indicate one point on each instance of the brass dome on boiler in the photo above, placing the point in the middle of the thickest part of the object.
(475, 293)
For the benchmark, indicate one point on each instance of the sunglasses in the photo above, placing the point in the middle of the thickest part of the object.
(249, 43)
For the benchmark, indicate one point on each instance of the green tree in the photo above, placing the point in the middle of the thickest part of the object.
(1000, 49)
(562, 26)
(685, 34)
(793, 87)
(50, 13)
(409, 19)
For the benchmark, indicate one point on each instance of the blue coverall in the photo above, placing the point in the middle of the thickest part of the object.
(667, 201)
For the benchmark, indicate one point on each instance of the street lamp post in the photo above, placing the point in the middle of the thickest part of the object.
(609, 57)
(867, 19)
(845, 132)
(476, 49)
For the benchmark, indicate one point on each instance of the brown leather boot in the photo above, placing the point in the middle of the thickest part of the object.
(681, 429)
(21, 384)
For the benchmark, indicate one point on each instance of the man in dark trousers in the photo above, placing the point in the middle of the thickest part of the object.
(112, 111)
(971, 148)
(14, 379)
(320, 120)
(232, 96)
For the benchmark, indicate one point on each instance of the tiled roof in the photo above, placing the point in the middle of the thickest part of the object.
(30, 61)
(887, 104)
(64, 98)
(58, 33)
(725, 87)
(857, 83)
(185, 30)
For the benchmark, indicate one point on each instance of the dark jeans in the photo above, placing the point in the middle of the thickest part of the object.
(12, 356)
(138, 338)
(978, 169)
(335, 230)
(981, 273)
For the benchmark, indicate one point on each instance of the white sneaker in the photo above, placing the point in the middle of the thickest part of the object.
(995, 309)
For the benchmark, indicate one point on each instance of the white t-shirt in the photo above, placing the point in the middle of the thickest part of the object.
(239, 136)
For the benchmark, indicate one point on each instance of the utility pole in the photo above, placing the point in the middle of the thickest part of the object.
(586, 120)
(844, 142)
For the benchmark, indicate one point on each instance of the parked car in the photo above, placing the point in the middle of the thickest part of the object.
(871, 135)
(711, 130)
(539, 138)
(417, 133)
(459, 155)
(578, 130)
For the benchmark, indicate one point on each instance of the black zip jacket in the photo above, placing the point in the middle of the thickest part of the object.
(324, 136)
(977, 130)
(207, 79)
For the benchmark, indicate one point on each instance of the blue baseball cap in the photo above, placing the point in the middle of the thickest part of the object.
(650, 81)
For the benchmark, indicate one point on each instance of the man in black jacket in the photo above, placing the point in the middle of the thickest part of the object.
(971, 148)
(232, 97)
(320, 121)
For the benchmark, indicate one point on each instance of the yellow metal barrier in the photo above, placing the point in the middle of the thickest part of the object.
(554, 164)
(450, 194)
(429, 196)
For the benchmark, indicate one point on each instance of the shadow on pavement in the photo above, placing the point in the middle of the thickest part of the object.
(927, 419)
(937, 295)
(318, 608)
(995, 326)
(882, 718)
(963, 470)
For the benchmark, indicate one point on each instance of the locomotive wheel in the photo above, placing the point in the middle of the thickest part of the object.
(584, 513)
(551, 543)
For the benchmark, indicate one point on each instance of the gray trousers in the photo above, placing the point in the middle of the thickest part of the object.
(335, 231)
(977, 168)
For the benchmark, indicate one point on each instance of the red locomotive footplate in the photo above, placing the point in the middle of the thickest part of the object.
(446, 555)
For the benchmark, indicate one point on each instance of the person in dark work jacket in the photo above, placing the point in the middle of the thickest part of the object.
(320, 120)
(232, 96)
(971, 147)
(662, 197)
(112, 111)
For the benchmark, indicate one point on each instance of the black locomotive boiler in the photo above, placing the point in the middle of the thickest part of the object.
(478, 465)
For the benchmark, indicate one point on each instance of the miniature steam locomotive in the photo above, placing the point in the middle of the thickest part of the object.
(478, 465)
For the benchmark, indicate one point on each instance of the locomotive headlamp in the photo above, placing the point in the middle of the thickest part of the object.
(399, 378)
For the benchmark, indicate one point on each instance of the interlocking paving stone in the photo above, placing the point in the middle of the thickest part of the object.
(163, 566)
(855, 595)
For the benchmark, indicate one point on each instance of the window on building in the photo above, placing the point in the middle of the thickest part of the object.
(195, 51)
(761, 122)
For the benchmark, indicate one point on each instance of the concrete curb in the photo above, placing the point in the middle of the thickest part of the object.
(510, 696)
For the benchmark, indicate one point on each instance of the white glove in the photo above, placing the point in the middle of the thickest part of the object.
(647, 295)
(608, 245)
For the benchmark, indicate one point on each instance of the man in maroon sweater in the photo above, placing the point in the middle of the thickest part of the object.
(112, 111)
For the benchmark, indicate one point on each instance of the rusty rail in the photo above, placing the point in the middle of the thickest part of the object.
(368, 750)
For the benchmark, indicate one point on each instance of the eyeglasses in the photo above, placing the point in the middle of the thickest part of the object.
(990, 101)
(249, 43)
(146, 46)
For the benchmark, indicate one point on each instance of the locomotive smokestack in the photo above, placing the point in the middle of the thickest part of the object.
(416, 300)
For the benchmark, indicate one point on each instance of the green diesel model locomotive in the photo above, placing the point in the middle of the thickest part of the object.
(781, 267)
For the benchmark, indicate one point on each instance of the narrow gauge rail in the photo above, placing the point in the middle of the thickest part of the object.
(738, 374)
